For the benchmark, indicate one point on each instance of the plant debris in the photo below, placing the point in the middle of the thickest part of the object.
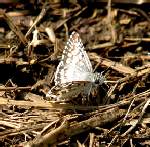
(116, 39)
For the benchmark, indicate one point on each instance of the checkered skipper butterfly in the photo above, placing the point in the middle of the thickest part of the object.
(74, 74)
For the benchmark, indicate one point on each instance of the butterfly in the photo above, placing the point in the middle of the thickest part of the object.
(74, 74)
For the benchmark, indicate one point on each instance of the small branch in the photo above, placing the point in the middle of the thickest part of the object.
(15, 29)
(68, 129)
(137, 121)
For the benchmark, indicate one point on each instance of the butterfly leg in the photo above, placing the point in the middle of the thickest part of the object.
(86, 93)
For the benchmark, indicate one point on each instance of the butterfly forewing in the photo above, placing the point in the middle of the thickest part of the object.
(75, 64)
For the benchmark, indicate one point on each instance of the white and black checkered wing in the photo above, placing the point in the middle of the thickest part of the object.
(74, 74)
(75, 64)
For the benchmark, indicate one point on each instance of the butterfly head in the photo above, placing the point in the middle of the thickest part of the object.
(99, 78)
